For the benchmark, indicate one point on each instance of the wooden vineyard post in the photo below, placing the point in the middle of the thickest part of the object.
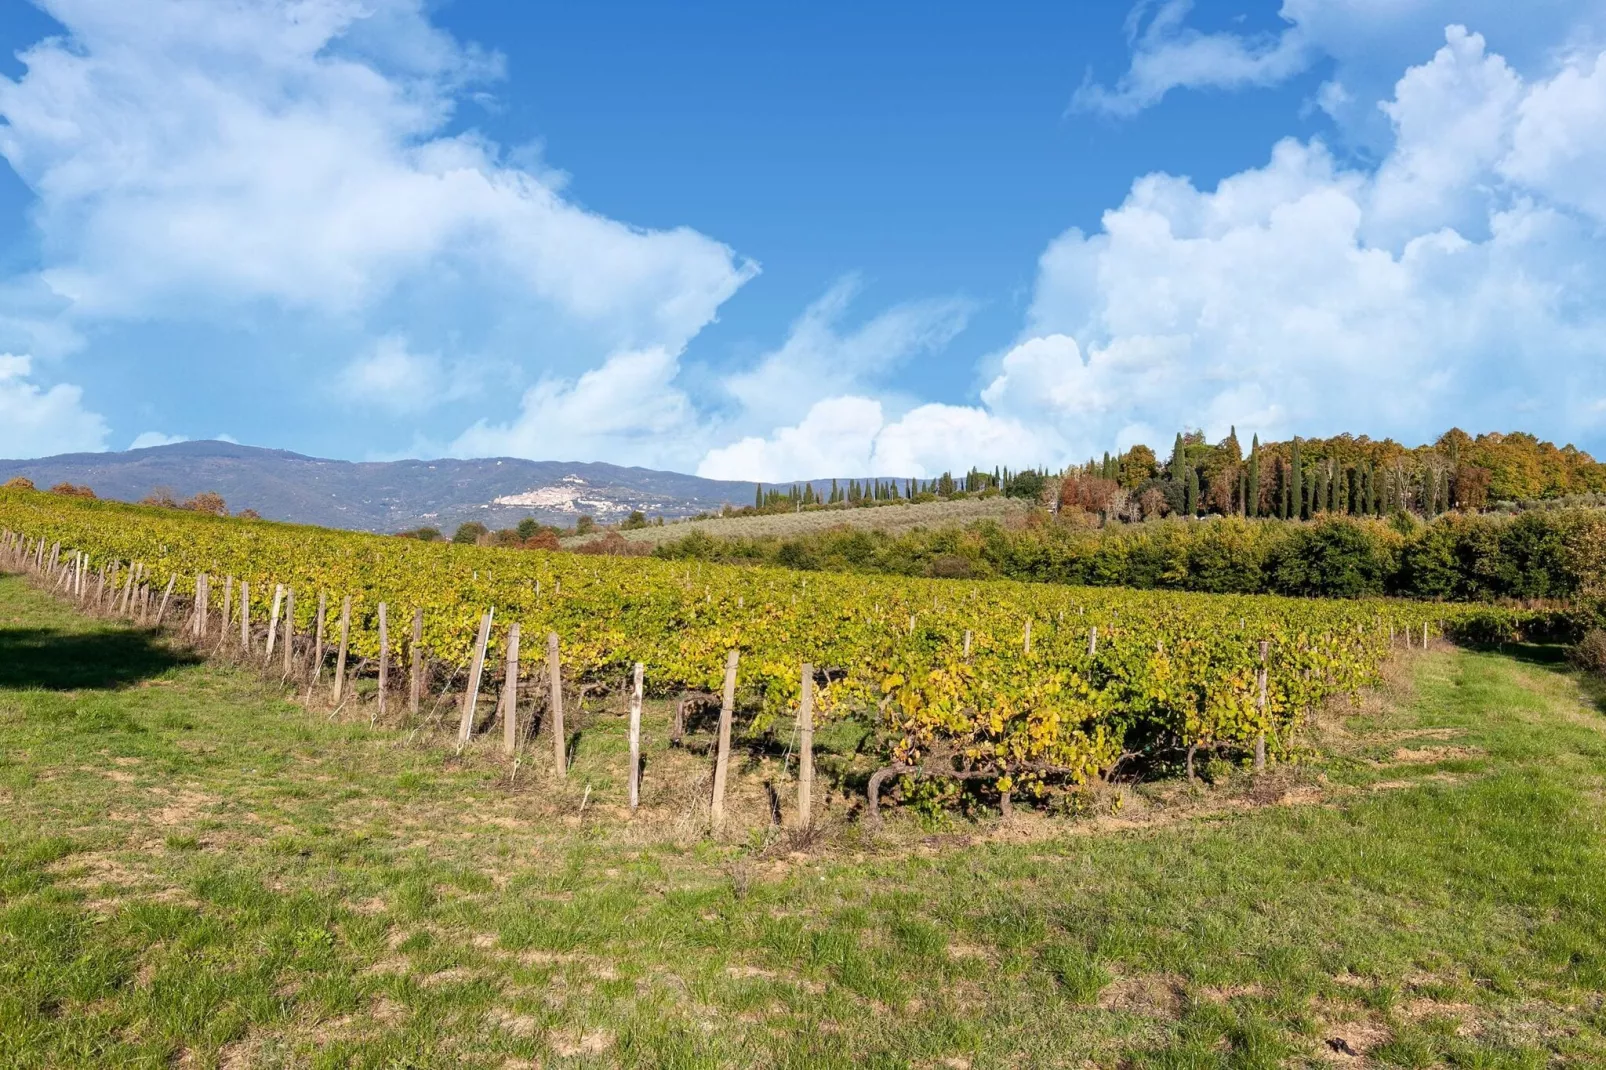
(317, 643)
(554, 677)
(415, 685)
(471, 696)
(1028, 635)
(1093, 640)
(384, 655)
(245, 618)
(967, 643)
(289, 631)
(228, 610)
(635, 739)
(805, 749)
(1424, 635)
(345, 643)
(1260, 705)
(162, 609)
(722, 756)
(510, 694)
(200, 606)
(273, 623)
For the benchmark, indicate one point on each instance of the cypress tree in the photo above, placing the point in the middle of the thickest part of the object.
(1179, 461)
(1254, 478)
(1243, 492)
(1190, 494)
(1296, 479)
(1319, 485)
(1430, 493)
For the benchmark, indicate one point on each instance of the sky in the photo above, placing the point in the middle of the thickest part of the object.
(771, 244)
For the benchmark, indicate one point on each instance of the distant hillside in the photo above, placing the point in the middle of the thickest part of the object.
(892, 518)
(385, 496)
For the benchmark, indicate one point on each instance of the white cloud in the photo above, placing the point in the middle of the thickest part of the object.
(36, 422)
(1303, 296)
(628, 411)
(294, 152)
(851, 436)
(1167, 54)
(391, 376)
(147, 439)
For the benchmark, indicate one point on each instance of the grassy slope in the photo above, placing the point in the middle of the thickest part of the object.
(892, 518)
(193, 870)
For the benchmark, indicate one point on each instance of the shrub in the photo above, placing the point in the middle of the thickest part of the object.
(18, 483)
(1589, 653)
(584, 525)
(68, 490)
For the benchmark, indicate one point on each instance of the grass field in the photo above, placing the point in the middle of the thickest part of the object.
(891, 518)
(196, 872)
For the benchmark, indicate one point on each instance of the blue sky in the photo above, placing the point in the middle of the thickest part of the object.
(757, 243)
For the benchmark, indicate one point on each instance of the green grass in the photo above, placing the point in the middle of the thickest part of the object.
(195, 871)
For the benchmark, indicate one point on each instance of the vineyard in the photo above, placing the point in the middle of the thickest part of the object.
(1024, 686)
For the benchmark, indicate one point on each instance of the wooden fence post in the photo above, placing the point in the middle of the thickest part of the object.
(635, 739)
(727, 711)
(510, 694)
(805, 750)
(162, 610)
(384, 656)
(415, 685)
(228, 611)
(471, 696)
(289, 631)
(1260, 704)
(345, 642)
(273, 623)
(554, 675)
(317, 643)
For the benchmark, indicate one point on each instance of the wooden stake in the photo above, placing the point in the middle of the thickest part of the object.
(415, 685)
(162, 610)
(384, 656)
(289, 630)
(273, 622)
(554, 676)
(635, 739)
(1093, 640)
(345, 642)
(510, 694)
(317, 643)
(727, 711)
(228, 610)
(805, 750)
(245, 618)
(471, 697)
(1028, 635)
(967, 642)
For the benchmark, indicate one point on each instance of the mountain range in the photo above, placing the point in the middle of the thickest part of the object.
(386, 496)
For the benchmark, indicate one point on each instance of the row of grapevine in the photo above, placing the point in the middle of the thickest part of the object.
(1009, 680)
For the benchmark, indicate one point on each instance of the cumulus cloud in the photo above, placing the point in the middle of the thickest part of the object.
(192, 159)
(147, 439)
(38, 422)
(1463, 280)
(629, 410)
